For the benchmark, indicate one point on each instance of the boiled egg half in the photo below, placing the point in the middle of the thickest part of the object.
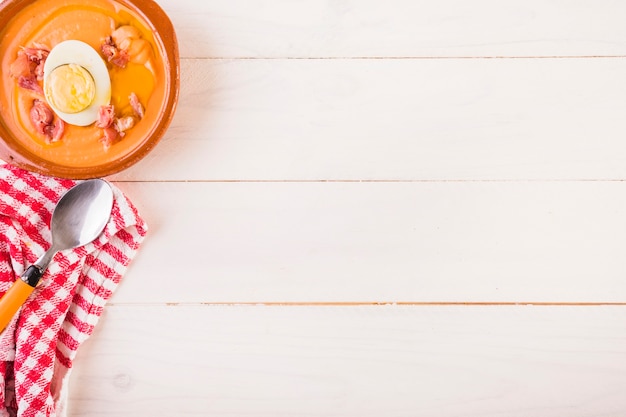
(76, 82)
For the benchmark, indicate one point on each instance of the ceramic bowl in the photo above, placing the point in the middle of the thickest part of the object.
(12, 149)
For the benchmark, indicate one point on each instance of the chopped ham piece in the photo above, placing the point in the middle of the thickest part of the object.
(22, 66)
(113, 53)
(37, 56)
(29, 82)
(112, 127)
(28, 67)
(106, 119)
(136, 105)
(39, 71)
(28, 70)
(106, 114)
(110, 134)
(55, 131)
(37, 53)
(42, 119)
(123, 124)
(108, 48)
(41, 116)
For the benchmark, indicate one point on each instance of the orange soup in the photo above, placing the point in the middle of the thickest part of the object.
(47, 23)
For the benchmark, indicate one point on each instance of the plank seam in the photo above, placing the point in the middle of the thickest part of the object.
(373, 303)
(427, 57)
(304, 181)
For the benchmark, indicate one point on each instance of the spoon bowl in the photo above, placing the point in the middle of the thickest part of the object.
(79, 217)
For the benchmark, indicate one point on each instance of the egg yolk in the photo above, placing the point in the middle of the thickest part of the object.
(70, 88)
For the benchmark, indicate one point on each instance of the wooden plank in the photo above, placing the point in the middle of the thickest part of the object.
(353, 361)
(397, 28)
(394, 119)
(379, 242)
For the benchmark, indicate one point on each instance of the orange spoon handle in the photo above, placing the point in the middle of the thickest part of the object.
(13, 299)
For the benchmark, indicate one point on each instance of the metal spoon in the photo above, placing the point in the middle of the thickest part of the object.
(78, 218)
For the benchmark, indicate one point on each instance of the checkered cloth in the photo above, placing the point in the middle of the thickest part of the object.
(40, 343)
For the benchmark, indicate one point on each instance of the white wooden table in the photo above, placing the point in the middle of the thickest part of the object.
(378, 208)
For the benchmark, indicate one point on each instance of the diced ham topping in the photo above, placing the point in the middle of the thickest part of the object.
(22, 66)
(29, 82)
(110, 134)
(30, 61)
(113, 53)
(42, 118)
(123, 124)
(55, 131)
(106, 114)
(112, 127)
(136, 105)
(28, 67)
(37, 56)
(39, 71)
(41, 115)
(37, 53)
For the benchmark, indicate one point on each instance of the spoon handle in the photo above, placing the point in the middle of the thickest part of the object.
(15, 296)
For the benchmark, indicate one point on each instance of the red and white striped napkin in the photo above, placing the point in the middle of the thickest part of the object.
(38, 347)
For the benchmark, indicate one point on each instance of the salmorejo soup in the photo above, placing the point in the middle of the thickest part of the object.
(83, 81)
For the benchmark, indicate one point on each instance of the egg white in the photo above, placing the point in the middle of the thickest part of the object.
(80, 53)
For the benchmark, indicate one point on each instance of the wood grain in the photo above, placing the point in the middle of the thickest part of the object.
(394, 119)
(396, 28)
(379, 242)
(360, 361)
